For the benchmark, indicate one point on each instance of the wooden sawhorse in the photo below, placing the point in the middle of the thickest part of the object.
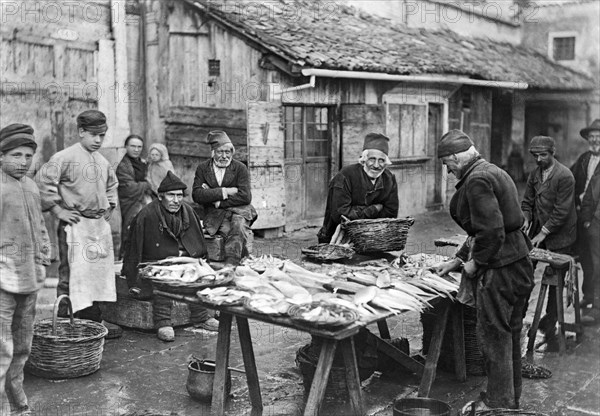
(556, 283)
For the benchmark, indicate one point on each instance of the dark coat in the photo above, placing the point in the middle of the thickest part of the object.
(486, 206)
(353, 195)
(150, 238)
(132, 194)
(590, 207)
(579, 170)
(551, 204)
(236, 176)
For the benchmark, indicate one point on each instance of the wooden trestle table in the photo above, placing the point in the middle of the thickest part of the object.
(331, 340)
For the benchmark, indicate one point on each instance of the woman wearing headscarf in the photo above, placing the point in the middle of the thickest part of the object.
(158, 165)
(134, 190)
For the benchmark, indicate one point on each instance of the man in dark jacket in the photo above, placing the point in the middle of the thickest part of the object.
(134, 191)
(497, 269)
(550, 218)
(167, 227)
(590, 218)
(362, 190)
(586, 169)
(222, 187)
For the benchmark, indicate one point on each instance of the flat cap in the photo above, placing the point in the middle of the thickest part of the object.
(455, 141)
(541, 144)
(15, 135)
(93, 121)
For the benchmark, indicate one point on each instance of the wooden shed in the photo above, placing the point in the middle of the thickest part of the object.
(297, 85)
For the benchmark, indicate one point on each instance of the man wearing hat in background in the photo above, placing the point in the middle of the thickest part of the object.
(550, 219)
(222, 187)
(167, 227)
(497, 272)
(363, 190)
(25, 253)
(586, 171)
(79, 186)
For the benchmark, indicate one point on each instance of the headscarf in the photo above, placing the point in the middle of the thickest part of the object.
(157, 171)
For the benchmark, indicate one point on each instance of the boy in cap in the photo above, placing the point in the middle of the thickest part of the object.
(79, 186)
(222, 187)
(363, 190)
(167, 227)
(497, 272)
(550, 218)
(586, 171)
(24, 255)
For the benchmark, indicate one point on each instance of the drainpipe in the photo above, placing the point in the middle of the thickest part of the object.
(443, 79)
(311, 84)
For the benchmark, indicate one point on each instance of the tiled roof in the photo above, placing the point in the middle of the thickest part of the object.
(330, 35)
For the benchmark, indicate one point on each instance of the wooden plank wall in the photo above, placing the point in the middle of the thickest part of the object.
(187, 129)
(476, 121)
(265, 161)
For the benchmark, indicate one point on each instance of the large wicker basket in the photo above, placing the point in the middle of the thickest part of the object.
(378, 235)
(66, 348)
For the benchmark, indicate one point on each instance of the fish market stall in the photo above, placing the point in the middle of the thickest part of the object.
(331, 301)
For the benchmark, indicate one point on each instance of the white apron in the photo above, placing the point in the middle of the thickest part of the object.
(91, 262)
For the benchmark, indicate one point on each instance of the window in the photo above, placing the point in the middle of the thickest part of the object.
(561, 45)
(307, 132)
(407, 129)
(214, 68)
(564, 49)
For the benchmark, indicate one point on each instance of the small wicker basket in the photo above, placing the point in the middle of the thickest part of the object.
(66, 348)
(187, 288)
(378, 235)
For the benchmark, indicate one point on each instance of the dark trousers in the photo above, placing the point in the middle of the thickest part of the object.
(591, 281)
(92, 312)
(162, 306)
(161, 312)
(501, 298)
(235, 230)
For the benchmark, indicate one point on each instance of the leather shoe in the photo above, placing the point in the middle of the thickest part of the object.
(211, 324)
(166, 334)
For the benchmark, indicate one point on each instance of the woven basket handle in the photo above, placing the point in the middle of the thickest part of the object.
(55, 311)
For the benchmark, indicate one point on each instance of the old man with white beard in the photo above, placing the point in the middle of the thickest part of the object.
(363, 190)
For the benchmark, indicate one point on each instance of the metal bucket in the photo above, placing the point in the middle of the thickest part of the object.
(420, 406)
(201, 375)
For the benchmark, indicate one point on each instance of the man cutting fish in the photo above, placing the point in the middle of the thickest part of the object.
(167, 227)
(497, 274)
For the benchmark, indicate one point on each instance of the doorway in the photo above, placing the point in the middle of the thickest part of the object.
(307, 150)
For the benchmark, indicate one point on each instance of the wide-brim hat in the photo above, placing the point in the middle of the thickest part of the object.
(594, 126)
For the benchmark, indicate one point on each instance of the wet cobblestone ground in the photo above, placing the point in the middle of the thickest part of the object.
(143, 376)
